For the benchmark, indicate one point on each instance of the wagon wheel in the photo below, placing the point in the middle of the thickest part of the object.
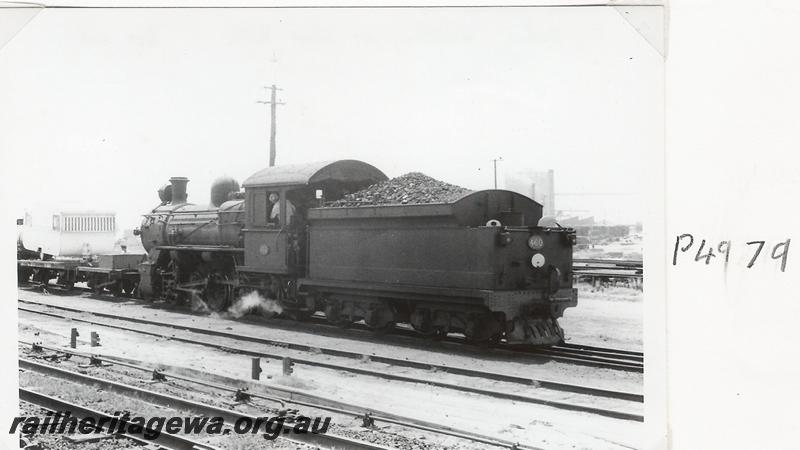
(96, 285)
(23, 274)
(128, 287)
(42, 276)
(116, 288)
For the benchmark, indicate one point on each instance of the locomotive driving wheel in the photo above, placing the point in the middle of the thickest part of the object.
(211, 291)
(169, 277)
(218, 292)
(198, 281)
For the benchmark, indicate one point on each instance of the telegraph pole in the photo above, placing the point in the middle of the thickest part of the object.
(494, 161)
(273, 104)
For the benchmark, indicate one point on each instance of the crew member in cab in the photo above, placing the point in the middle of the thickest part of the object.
(275, 214)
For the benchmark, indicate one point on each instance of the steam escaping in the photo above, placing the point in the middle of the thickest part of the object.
(251, 302)
(199, 305)
(254, 302)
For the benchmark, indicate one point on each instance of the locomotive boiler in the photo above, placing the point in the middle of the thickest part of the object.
(478, 265)
(192, 249)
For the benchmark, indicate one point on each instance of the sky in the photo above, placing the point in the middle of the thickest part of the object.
(99, 107)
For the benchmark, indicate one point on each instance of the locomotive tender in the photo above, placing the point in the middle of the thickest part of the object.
(479, 265)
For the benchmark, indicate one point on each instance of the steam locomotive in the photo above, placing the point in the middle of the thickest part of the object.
(480, 265)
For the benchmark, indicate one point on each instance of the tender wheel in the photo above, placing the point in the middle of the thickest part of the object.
(380, 318)
(383, 329)
(333, 313)
(422, 322)
(300, 315)
(437, 334)
(482, 329)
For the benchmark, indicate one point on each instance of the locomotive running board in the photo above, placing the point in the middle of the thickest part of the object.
(197, 248)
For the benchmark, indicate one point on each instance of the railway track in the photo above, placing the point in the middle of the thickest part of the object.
(54, 404)
(598, 357)
(284, 396)
(546, 384)
(321, 440)
(613, 268)
(603, 352)
(606, 358)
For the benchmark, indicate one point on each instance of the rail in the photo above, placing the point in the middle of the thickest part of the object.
(547, 384)
(164, 440)
(230, 416)
(608, 269)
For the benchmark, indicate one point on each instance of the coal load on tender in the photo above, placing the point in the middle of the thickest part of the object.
(411, 188)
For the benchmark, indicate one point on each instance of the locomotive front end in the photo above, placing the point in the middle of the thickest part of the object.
(192, 249)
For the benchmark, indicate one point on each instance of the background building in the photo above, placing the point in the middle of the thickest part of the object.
(538, 185)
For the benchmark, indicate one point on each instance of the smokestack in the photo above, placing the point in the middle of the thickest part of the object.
(179, 189)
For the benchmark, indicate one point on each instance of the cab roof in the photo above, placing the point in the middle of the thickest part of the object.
(343, 171)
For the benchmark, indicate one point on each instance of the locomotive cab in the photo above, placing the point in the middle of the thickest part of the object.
(275, 245)
(267, 237)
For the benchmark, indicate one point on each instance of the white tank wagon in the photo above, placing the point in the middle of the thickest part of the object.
(69, 234)
(73, 247)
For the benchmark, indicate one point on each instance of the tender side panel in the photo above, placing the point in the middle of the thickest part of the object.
(424, 256)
